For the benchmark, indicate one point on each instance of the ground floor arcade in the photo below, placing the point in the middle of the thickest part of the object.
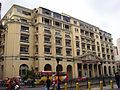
(84, 66)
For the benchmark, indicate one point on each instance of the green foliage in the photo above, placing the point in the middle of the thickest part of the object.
(32, 74)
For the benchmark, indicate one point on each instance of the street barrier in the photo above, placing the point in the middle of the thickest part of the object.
(89, 85)
(111, 84)
(77, 86)
(65, 86)
(101, 85)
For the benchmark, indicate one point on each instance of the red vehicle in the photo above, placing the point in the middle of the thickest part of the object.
(81, 78)
(53, 76)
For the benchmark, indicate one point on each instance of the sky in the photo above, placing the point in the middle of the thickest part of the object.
(104, 14)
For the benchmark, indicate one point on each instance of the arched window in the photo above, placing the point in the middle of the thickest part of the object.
(69, 71)
(109, 70)
(47, 67)
(23, 70)
(59, 68)
(114, 69)
(105, 70)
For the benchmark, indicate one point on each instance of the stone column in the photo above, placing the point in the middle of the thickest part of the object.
(112, 72)
(93, 71)
(88, 70)
(97, 71)
(76, 71)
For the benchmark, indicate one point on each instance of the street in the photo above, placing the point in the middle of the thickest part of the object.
(43, 88)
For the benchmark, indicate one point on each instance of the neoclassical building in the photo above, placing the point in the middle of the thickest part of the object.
(40, 37)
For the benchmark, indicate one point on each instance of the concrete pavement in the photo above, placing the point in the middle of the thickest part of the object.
(43, 88)
(105, 88)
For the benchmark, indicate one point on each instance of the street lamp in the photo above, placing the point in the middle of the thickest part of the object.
(58, 84)
(101, 62)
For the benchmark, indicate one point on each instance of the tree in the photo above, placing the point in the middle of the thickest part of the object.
(32, 74)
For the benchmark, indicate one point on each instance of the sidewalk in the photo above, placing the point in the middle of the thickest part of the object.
(105, 88)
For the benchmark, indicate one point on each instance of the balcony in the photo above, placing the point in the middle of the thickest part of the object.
(48, 53)
(69, 55)
(24, 53)
(47, 32)
(46, 12)
(59, 55)
(68, 46)
(24, 41)
(58, 44)
(47, 43)
(47, 22)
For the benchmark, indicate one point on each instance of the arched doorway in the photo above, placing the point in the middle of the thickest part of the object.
(95, 70)
(99, 68)
(114, 69)
(109, 68)
(69, 71)
(85, 70)
(79, 66)
(59, 67)
(47, 67)
(23, 70)
(90, 70)
(105, 70)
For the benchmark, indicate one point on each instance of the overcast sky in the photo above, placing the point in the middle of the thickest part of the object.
(104, 14)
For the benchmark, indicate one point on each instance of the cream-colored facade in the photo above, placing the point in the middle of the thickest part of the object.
(39, 37)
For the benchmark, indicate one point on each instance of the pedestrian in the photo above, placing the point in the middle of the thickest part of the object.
(8, 84)
(117, 77)
(48, 82)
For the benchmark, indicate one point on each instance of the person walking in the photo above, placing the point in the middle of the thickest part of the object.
(117, 78)
(48, 82)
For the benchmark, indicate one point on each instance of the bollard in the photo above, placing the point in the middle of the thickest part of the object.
(65, 86)
(111, 84)
(77, 86)
(89, 85)
(101, 85)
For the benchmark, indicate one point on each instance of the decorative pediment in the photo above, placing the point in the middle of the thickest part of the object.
(88, 57)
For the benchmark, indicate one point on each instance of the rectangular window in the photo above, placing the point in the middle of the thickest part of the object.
(77, 44)
(68, 52)
(24, 49)
(47, 39)
(88, 46)
(68, 43)
(24, 29)
(47, 50)
(78, 52)
(57, 34)
(58, 41)
(56, 15)
(26, 13)
(65, 18)
(47, 31)
(24, 38)
(66, 26)
(83, 45)
(58, 24)
(36, 48)
(58, 50)
(47, 21)
(93, 47)
(46, 11)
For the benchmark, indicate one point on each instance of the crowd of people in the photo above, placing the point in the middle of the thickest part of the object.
(12, 84)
